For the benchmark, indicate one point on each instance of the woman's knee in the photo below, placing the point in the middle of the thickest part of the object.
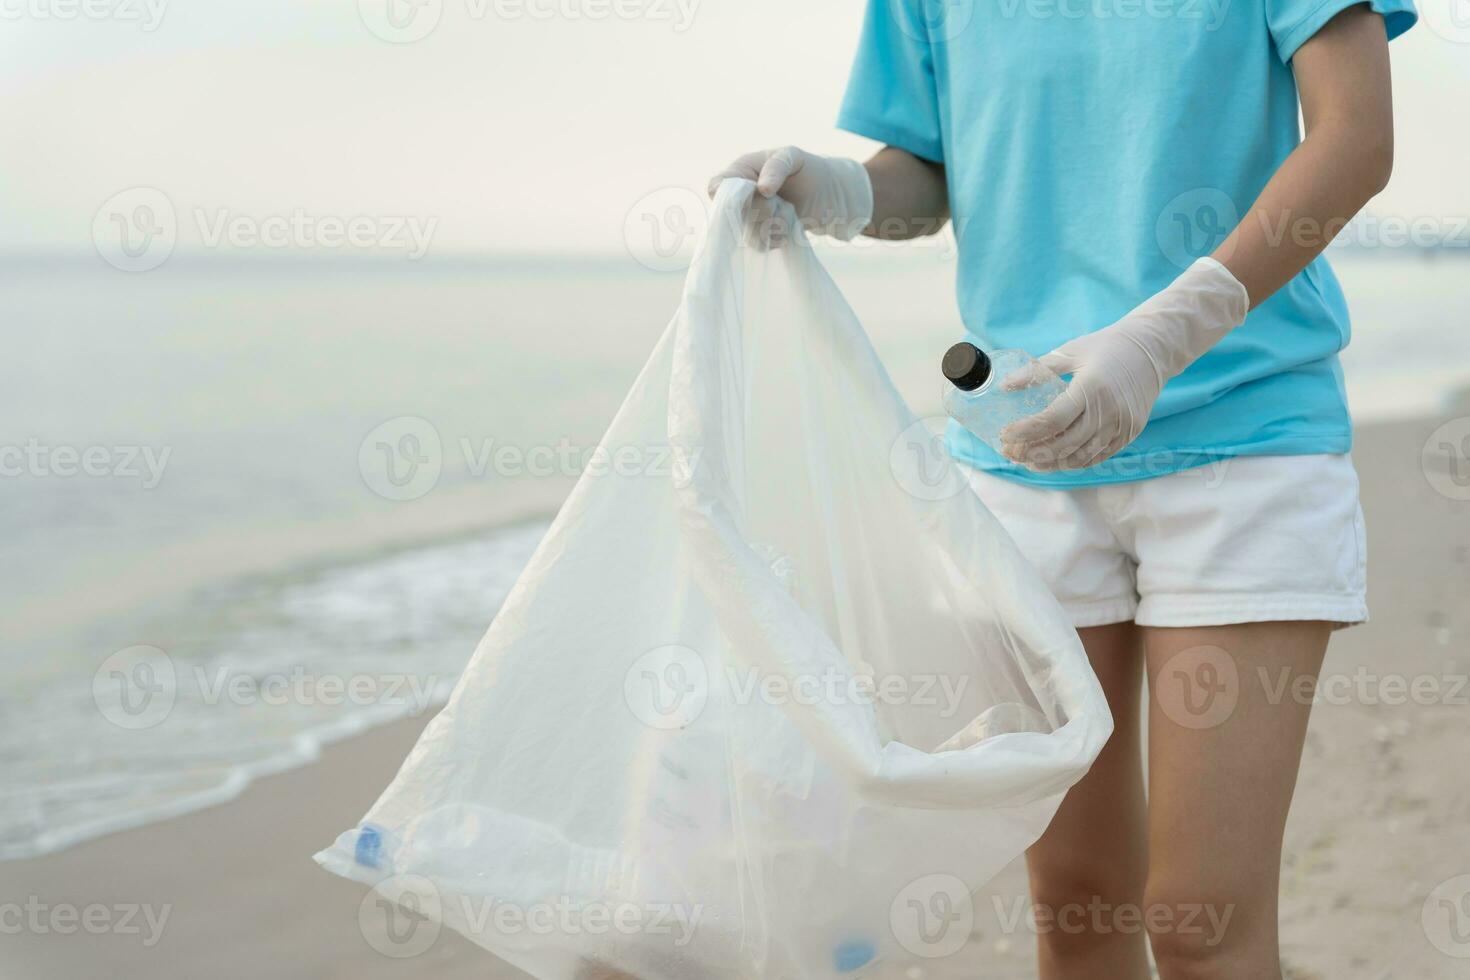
(1204, 935)
(1058, 880)
(1077, 904)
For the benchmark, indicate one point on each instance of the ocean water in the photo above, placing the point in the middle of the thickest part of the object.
(250, 507)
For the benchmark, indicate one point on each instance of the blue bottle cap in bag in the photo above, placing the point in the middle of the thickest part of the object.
(369, 848)
(853, 954)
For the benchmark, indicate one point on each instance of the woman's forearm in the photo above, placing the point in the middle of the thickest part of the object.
(1346, 157)
(909, 195)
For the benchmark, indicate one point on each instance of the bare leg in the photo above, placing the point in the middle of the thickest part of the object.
(1095, 851)
(1225, 741)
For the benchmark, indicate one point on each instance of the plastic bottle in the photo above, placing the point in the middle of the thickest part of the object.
(978, 397)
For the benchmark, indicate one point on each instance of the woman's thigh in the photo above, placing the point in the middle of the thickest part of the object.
(1095, 847)
(1226, 728)
(1094, 853)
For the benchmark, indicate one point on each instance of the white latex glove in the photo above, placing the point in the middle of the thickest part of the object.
(830, 195)
(1118, 371)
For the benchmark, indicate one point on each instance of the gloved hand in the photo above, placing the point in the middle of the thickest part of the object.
(1118, 371)
(829, 195)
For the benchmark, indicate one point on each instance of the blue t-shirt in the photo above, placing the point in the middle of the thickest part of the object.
(1093, 149)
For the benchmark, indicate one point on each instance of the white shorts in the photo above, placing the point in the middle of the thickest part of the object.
(1242, 540)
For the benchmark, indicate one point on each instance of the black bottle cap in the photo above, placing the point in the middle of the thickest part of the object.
(966, 366)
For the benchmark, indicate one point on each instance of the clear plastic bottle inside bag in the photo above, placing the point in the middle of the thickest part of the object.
(987, 392)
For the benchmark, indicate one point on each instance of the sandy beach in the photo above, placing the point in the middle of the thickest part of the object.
(1382, 815)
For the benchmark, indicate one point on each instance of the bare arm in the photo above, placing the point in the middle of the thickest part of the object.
(1342, 73)
(910, 198)
(1119, 371)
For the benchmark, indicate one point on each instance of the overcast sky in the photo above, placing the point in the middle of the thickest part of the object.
(511, 128)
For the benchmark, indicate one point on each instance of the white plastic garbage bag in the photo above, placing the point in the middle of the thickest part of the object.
(771, 699)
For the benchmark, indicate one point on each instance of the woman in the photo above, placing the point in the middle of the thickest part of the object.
(1189, 498)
